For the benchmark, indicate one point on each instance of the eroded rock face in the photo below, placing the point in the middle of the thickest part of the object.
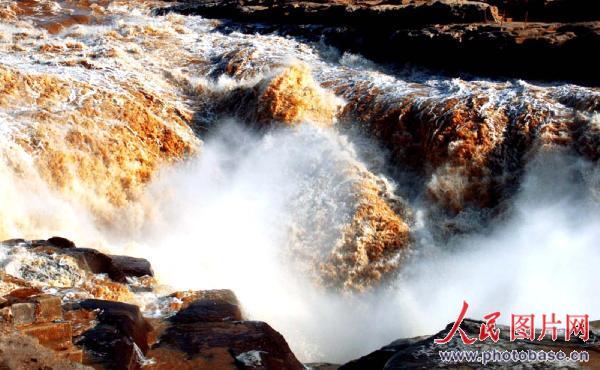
(476, 37)
(187, 330)
(378, 14)
(21, 351)
(119, 340)
(222, 345)
(210, 333)
(38, 316)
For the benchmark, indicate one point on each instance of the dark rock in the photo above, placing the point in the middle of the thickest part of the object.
(221, 295)
(424, 34)
(423, 353)
(381, 14)
(535, 51)
(231, 340)
(125, 317)
(322, 366)
(131, 266)
(97, 262)
(207, 333)
(210, 309)
(112, 343)
(55, 241)
(59, 242)
(38, 243)
(118, 268)
(532, 51)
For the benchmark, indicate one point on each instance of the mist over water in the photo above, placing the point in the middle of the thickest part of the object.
(229, 217)
(224, 220)
(259, 211)
(537, 259)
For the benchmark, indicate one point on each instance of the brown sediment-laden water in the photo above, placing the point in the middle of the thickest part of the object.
(347, 203)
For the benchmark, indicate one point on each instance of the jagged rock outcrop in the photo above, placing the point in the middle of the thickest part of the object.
(117, 268)
(423, 353)
(120, 337)
(210, 333)
(68, 329)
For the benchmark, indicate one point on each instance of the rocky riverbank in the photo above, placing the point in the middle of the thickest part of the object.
(86, 308)
(550, 41)
(64, 307)
(341, 199)
(423, 353)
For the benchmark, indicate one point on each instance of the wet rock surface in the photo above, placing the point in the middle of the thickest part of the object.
(467, 140)
(118, 268)
(38, 316)
(208, 310)
(120, 338)
(249, 344)
(187, 330)
(478, 38)
(209, 332)
(423, 353)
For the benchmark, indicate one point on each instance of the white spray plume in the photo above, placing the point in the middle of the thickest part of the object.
(536, 261)
(224, 218)
(227, 223)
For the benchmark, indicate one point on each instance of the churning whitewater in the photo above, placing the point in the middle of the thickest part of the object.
(327, 191)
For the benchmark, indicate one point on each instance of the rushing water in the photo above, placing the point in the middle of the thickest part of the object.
(262, 211)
